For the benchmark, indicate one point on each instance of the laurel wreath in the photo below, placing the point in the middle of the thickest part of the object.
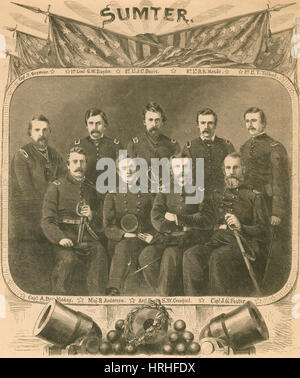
(161, 319)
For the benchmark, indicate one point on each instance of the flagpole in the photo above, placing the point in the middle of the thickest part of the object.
(19, 31)
(38, 10)
(276, 8)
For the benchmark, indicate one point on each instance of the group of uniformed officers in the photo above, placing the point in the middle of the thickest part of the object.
(68, 239)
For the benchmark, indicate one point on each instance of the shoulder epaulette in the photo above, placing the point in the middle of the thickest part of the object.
(56, 182)
(274, 144)
(135, 140)
(116, 141)
(173, 140)
(24, 153)
(189, 144)
(76, 142)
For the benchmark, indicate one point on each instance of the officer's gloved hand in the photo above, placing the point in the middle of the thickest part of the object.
(275, 221)
(147, 238)
(66, 242)
(233, 221)
(171, 217)
(86, 212)
(129, 235)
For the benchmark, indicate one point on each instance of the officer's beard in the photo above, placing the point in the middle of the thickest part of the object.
(233, 182)
(41, 143)
(154, 132)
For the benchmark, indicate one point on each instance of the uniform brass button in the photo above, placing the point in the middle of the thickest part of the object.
(138, 209)
(125, 201)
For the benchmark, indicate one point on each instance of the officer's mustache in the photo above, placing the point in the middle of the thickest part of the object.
(233, 177)
(79, 170)
(206, 131)
(154, 129)
(42, 139)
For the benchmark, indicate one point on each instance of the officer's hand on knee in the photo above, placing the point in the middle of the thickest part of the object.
(147, 238)
(66, 242)
(275, 221)
(171, 217)
(128, 235)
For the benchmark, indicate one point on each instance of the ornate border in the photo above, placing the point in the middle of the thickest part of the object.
(205, 71)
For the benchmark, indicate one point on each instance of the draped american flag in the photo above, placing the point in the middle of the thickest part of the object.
(276, 56)
(15, 68)
(240, 39)
(179, 57)
(77, 44)
(34, 52)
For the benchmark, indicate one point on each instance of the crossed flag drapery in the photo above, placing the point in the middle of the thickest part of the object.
(243, 41)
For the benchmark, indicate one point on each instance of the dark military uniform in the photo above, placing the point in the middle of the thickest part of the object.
(127, 250)
(30, 258)
(146, 147)
(221, 256)
(213, 153)
(165, 276)
(267, 170)
(104, 147)
(31, 173)
(60, 221)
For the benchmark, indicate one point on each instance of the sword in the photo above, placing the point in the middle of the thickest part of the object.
(247, 262)
(82, 223)
(147, 265)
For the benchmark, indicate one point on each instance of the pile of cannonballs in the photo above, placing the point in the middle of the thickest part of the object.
(178, 341)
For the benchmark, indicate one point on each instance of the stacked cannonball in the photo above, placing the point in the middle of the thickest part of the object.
(116, 343)
(180, 341)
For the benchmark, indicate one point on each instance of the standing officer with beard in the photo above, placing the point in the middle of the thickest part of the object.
(209, 147)
(218, 267)
(152, 143)
(33, 167)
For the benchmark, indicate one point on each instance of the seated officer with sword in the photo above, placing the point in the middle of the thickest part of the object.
(70, 220)
(233, 261)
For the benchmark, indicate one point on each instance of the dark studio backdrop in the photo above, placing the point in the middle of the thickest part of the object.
(64, 100)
